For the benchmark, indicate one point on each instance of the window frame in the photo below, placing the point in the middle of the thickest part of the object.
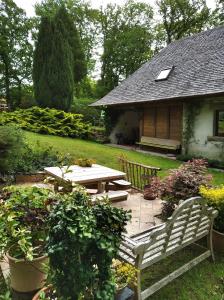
(216, 123)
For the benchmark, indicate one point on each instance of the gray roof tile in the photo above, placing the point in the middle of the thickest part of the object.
(198, 70)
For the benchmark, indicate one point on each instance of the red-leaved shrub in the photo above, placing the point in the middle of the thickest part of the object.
(181, 184)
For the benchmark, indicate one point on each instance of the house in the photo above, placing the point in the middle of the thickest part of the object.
(176, 100)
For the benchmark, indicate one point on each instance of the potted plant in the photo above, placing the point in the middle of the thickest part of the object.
(83, 240)
(85, 162)
(23, 212)
(215, 198)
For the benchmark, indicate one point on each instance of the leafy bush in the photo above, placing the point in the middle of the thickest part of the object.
(23, 213)
(90, 114)
(36, 158)
(181, 184)
(83, 240)
(48, 121)
(16, 156)
(125, 274)
(215, 198)
(12, 144)
(213, 163)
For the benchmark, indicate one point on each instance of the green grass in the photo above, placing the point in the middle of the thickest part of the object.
(107, 155)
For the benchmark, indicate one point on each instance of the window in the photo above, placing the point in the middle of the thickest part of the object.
(163, 75)
(219, 128)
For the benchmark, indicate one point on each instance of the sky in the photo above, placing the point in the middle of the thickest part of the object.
(28, 5)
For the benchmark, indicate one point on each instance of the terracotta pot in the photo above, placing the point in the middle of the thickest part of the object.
(45, 289)
(218, 241)
(27, 276)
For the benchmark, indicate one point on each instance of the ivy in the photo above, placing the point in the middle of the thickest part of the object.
(83, 240)
(192, 110)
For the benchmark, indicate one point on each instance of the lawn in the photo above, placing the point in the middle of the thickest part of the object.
(107, 155)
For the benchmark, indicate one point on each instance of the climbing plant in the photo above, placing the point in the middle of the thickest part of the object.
(192, 110)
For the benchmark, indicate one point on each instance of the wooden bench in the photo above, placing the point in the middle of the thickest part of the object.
(113, 196)
(118, 185)
(137, 174)
(190, 222)
(160, 143)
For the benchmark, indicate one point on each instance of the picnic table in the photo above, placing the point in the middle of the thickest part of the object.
(75, 174)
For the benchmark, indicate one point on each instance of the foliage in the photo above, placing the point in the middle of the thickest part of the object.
(213, 163)
(182, 18)
(52, 67)
(85, 162)
(90, 114)
(23, 213)
(124, 27)
(15, 50)
(11, 147)
(36, 158)
(48, 121)
(83, 240)
(215, 198)
(125, 275)
(181, 184)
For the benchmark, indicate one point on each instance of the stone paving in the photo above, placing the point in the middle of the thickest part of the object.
(143, 212)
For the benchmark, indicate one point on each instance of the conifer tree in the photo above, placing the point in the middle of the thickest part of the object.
(58, 61)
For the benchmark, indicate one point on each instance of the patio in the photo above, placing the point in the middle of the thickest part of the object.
(143, 212)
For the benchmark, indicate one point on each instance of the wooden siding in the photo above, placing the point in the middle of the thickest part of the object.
(163, 121)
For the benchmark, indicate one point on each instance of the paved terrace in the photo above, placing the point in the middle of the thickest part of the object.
(143, 212)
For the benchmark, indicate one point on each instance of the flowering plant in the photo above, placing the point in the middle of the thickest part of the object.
(215, 198)
(125, 274)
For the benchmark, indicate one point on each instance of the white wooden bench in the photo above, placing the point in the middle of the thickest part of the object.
(118, 185)
(160, 143)
(190, 222)
(113, 196)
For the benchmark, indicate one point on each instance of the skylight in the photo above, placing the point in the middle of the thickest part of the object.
(163, 75)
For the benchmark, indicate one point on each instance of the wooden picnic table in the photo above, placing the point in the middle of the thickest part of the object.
(85, 175)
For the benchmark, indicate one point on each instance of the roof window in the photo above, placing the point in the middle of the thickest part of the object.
(164, 74)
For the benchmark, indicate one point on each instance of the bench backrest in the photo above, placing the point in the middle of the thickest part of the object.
(191, 221)
(158, 141)
(138, 174)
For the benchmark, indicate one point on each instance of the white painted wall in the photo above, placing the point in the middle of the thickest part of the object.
(204, 128)
(127, 122)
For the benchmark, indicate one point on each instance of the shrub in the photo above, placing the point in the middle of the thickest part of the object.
(213, 163)
(181, 184)
(83, 240)
(12, 144)
(215, 198)
(36, 158)
(48, 121)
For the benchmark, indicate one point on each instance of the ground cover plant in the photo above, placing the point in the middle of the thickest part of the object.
(48, 121)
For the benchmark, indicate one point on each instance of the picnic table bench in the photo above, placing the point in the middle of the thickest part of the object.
(190, 222)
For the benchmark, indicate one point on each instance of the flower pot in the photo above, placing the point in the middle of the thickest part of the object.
(218, 241)
(45, 289)
(27, 276)
(124, 293)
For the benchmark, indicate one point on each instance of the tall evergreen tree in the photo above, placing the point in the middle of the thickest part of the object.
(57, 62)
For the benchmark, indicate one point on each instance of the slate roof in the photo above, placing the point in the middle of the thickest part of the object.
(198, 70)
